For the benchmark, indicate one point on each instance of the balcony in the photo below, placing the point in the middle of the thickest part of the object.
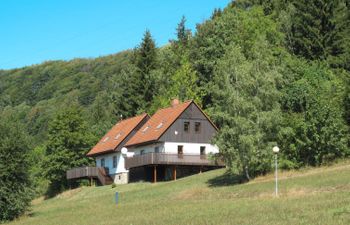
(170, 159)
(99, 173)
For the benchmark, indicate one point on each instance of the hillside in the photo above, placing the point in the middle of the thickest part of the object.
(255, 70)
(310, 196)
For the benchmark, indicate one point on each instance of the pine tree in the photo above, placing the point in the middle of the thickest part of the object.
(146, 61)
(318, 29)
(183, 34)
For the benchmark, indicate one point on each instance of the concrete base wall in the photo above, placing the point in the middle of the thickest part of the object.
(120, 178)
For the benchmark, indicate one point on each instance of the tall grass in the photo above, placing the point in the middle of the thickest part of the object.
(312, 196)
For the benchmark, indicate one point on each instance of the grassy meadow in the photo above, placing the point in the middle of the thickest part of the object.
(310, 196)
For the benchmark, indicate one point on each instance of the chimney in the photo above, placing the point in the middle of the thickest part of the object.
(175, 102)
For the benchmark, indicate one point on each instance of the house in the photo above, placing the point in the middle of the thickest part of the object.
(174, 142)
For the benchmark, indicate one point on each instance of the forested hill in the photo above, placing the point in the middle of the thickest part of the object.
(267, 73)
(35, 93)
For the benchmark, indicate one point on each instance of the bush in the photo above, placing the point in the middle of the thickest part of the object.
(15, 185)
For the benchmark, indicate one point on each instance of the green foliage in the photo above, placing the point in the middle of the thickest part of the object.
(40, 183)
(267, 72)
(146, 61)
(183, 85)
(15, 184)
(314, 130)
(317, 27)
(66, 148)
(246, 108)
(245, 29)
(183, 34)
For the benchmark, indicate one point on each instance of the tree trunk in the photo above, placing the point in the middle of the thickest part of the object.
(246, 172)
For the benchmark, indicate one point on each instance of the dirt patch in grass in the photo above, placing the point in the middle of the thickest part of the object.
(193, 193)
(300, 192)
(38, 200)
(298, 173)
(70, 193)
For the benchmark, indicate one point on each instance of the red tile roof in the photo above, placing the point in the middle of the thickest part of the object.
(116, 135)
(153, 129)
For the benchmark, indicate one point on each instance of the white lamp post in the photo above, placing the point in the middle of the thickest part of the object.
(276, 150)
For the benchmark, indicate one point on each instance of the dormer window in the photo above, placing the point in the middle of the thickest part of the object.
(160, 125)
(145, 129)
(186, 126)
(118, 136)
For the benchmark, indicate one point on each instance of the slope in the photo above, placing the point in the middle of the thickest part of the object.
(310, 196)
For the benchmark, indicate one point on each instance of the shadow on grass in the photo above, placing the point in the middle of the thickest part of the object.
(226, 179)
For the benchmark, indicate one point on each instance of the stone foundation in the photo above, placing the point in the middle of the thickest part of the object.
(120, 178)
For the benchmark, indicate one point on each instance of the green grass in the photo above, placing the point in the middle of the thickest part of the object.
(311, 196)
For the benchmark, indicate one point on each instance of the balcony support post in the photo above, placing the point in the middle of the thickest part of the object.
(154, 174)
(174, 172)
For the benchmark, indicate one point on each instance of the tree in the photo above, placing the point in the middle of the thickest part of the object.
(183, 34)
(68, 142)
(15, 184)
(320, 30)
(183, 85)
(245, 106)
(314, 130)
(146, 61)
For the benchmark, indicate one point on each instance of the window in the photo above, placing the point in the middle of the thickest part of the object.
(115, 161)
(106, 139)
(117, 136)
(142, 152)
(202, 152)
(103, 162)
(180, 151)
(186, 126)
(160, 125)
(156, 149)
(202, 149)
(145, 129)
(197, 127)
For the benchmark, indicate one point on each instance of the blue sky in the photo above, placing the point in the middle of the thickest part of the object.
(33, 31)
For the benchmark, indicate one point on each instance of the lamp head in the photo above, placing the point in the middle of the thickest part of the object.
(124, 150)
(275, 149)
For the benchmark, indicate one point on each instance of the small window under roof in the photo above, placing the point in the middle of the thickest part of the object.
(117, 136)
(106, 139)
(145, 129)
(160, 125)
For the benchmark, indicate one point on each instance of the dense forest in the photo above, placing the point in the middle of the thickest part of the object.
(267, 72)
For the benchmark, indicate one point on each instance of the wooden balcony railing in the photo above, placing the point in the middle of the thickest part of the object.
(99, 173)
(170, 159)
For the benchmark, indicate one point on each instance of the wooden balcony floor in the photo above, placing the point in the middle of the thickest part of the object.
(170, 159)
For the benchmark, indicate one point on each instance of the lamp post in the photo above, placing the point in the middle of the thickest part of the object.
(276, 150)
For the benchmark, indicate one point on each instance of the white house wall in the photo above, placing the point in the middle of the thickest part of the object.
(146, 148)
(109, 162)
(190, 148)
(171, 147)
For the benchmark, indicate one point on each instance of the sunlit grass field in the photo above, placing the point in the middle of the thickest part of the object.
(310, 196)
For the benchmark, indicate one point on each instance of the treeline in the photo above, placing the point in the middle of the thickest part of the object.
(267, 73)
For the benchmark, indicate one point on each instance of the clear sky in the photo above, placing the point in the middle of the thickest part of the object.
(33, 31)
